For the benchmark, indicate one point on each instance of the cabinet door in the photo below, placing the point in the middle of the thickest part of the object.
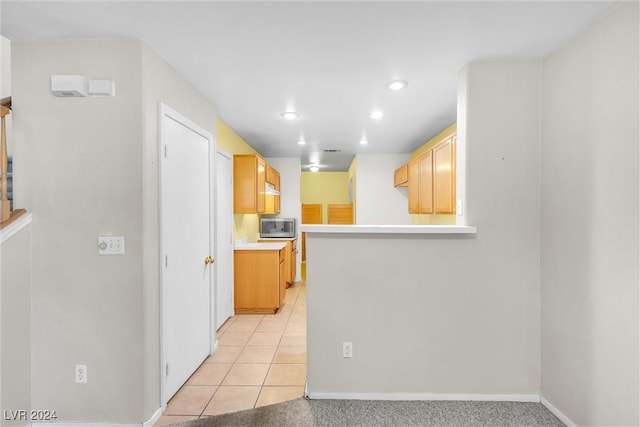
(400, 176)
(414, 185)
(277, 187)
(270, 176)
(244, 184)
(444, 177)
(283, 277)
(339, 214)
(256, 281)
(260, 184)
(294, 257)
(287, 264)
(425, 194)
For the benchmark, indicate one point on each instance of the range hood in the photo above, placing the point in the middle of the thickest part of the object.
(270, 190)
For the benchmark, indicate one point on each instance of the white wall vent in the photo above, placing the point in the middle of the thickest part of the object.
(69, 85)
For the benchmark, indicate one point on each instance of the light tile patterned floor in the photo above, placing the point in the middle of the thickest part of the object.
(260, 360)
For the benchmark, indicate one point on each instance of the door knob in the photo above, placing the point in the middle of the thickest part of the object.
(208, 260)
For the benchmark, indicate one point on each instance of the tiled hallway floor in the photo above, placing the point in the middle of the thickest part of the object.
(260, 360)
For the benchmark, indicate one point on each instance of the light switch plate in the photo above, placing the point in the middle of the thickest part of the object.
(110, 245)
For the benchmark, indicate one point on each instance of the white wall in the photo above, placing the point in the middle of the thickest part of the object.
(79, 161)
(5, 86)
(89, 167)
(290, 204)
(5, 67)
(444, 314)
(161, 82)
(590, 214)
(15, 325)
(379, 202)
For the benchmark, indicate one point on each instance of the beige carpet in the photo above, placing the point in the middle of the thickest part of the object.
(336, 413)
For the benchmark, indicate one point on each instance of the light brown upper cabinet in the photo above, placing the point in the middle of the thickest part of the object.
(425, 184)
(413, 173)
(249, 180)
(270, 176)
(444, 176)
(401, 176)
(420, 182)
(431, 178)
(272, 201)
(276, 198)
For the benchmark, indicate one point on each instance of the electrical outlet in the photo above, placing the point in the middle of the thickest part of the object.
(81, 374)
(347, 350)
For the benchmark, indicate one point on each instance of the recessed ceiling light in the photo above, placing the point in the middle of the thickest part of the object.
(363, 141)
(302, 142)
(376, 114)
(397, 84)
(290, 115)
(314, 168)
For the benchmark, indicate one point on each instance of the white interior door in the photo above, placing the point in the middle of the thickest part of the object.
(224, 238)
(185, 159)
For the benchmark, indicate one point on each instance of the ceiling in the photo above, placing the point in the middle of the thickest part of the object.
(329, 61)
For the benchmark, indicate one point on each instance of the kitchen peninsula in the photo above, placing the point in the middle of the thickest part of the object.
(395, 280)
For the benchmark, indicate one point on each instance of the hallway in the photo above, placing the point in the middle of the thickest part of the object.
(260, 360)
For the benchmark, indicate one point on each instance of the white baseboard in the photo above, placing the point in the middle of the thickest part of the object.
(155, 417)
(149, 423)
(427, 396)
(555, 411)
(83, 425)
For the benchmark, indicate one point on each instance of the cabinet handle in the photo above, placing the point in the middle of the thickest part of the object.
(208, 260)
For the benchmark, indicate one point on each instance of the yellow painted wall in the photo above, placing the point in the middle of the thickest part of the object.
(244, 225)
(325, 188)
(433, 141)
(230, 141)
(426, 219)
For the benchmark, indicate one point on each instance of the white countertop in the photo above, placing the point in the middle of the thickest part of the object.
(259, 246)
(284, 239)
(388, 229)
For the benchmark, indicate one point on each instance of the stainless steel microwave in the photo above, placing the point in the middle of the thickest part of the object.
(277, 227)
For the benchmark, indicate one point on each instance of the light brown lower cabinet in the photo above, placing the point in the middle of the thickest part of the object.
(294, 260)
(289, 258)
(260, 280)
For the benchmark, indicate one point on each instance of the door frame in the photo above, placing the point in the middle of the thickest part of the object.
(220, 152)
(165, 111)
